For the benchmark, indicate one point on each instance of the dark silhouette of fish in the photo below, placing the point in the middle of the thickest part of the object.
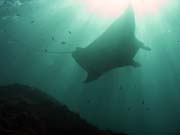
(116, 47)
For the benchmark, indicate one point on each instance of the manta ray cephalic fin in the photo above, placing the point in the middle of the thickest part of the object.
(135, 64)
(92, 76)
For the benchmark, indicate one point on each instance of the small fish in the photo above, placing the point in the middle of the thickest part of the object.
(18, 14)
(4, 30)
(89, 101)
(69, 32)
(46, 50)
(52, 38)
(121, 88)
(178, 41)
(63, 42)
(143, 102)
(32, 21)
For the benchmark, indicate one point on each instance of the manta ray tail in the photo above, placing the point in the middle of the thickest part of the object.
(142, 46)
(146, 48)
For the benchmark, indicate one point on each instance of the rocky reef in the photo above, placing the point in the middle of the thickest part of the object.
(26, 110)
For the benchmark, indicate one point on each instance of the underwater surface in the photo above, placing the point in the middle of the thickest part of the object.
(37, 38)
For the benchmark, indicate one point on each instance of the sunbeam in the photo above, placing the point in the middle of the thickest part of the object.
(111, 8)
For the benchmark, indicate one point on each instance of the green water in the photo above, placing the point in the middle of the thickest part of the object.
(140, 101)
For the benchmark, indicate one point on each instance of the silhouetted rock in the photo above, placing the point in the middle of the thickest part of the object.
(28, 111)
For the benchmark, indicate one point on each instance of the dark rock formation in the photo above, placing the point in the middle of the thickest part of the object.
(28, 111)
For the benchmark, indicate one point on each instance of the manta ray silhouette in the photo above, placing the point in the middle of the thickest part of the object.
(116, 47)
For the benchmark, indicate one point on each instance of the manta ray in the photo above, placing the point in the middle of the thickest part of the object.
(114, 48)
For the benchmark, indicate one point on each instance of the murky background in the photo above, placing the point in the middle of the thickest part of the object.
(38, 36)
